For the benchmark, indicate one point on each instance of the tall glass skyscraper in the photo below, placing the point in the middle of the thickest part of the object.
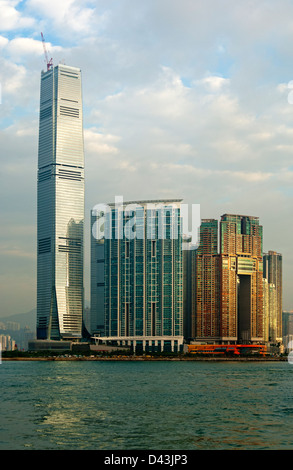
(137, 280)
(60, 205)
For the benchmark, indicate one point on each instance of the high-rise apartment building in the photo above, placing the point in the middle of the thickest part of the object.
(60, 205)
(137, 280)
(187, 269)
(206, 284)
(287, 323)
(241, 285)
(272, 271)
(97, 316)
(227, 303)
(270, 312)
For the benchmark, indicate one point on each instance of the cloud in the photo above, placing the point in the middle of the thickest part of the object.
(174, 121)
(213, 83)
(99, 144)
(11, 18)
(21, 46)
(3, 42)
(68, 17)
(14, 78)
(204, 173)
(181, 99)
(16, 251)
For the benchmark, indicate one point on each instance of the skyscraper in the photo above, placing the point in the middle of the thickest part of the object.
(187, 267)
(227, 304)
(140, 277)
(206, 284)
(60, 205)
(272, 271)
(241, 285)
(97, 317)
(270, 311)
(287, 323)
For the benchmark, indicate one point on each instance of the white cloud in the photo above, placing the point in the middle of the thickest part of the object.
(22, 46)
(14, 78)
(186, 99)
(213, 83)
(206, 174)
(98, 143)
(23, 128)
(67, 16)
(3, 42)
(11, 18)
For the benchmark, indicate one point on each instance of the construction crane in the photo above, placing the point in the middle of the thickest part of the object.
(49, 62)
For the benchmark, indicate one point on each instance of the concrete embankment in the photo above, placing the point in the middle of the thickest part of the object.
(152, 359)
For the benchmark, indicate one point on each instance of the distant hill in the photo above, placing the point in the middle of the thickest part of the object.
(27, 319)
(24, 319)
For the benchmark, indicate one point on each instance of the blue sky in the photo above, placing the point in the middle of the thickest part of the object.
(184, 99)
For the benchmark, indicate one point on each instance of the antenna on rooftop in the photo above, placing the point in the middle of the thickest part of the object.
(49, 62)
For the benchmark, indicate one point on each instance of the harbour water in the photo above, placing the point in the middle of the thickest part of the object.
(146, 405)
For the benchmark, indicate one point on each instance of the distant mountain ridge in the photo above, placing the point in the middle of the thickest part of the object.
(24, 319)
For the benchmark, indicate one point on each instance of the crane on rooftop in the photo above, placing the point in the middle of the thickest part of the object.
(49, 62)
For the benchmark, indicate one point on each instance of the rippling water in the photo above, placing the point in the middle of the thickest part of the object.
(146, 405)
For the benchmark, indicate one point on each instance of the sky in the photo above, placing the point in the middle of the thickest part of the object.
(182, 99)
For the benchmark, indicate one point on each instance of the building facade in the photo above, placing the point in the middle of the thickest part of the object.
(7, 343)
(206, 285)
(140, 282)
(227, 294)
(287, 323)
(270, 312)
(97, 309)
(187, 268)
(241, 283)
(60, 205)
(272, 271)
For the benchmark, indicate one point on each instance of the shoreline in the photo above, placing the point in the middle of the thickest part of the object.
(150, 359)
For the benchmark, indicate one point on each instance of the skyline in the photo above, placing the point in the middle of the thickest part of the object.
(186, 100)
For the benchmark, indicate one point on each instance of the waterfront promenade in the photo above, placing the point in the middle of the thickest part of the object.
(142, 358)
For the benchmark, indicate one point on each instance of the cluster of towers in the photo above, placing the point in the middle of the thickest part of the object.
(224, 291)
(228, 281)
(149, 285)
